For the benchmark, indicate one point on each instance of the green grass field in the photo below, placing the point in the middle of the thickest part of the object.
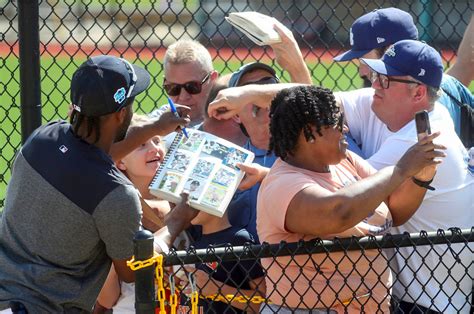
(56, 73)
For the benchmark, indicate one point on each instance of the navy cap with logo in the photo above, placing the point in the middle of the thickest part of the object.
(237, 75)
(410, 57)
(102, 85)
(378, 28)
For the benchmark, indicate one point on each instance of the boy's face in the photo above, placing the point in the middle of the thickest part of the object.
(144, 160)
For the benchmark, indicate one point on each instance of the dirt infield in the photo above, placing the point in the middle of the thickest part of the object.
(256, 53)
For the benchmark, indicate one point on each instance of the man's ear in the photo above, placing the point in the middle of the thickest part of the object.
(214, 75)
(420, 92)
(122, 114)
(236, 118)
(121, 165)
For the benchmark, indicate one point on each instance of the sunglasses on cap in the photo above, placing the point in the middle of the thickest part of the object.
(192, 87)
(265, 80)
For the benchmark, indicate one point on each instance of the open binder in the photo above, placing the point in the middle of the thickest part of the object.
(204, 166)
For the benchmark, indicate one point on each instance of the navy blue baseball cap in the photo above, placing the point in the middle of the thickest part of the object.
(237, 75)
(102, 84)
(378, 28)
(410, 57)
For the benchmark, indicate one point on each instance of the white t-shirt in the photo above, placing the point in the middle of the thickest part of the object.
(450, 205)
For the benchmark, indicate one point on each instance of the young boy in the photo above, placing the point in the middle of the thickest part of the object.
(244, 278)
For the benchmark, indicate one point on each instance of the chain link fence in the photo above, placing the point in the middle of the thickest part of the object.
(140, 31)
(355, 275)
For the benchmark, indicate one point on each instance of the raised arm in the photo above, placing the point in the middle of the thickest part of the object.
(329, 213)
(288, 56)
(139, 134)
(230, 101)
(463, 68)
(109, 294)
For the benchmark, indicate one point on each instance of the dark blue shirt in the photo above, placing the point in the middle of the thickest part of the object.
(242, 210)
(233, 273)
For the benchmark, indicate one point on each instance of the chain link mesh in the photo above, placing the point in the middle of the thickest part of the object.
(70, 31)
(358, 290)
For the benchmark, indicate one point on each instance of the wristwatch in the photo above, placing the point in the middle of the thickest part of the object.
(423, 184)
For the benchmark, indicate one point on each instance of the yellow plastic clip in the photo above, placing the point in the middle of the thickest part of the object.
(173, 296)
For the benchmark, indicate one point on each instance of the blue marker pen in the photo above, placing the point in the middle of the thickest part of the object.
(173, 110)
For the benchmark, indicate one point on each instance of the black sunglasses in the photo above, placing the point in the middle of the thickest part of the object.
(192, 87)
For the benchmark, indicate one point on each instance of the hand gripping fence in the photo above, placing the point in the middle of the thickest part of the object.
(150, 267)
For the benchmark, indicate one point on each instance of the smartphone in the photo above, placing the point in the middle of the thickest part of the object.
(422, 122)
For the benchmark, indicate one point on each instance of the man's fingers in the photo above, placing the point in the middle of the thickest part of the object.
(282, 30)
(184, 196)
(219, 110)
(182, 109)
(246, 184)
(223, 114)
(250, 169)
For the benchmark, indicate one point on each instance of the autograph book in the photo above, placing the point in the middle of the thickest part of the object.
(204, 166)
(256, 26)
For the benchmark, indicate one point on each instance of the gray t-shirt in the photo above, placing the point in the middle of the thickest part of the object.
(68, 212)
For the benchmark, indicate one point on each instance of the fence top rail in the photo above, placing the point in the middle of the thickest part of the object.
(251, 252)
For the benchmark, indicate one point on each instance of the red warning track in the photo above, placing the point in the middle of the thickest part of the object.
(144, 53)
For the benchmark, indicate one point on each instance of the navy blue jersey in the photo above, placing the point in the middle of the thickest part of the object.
(68, 212)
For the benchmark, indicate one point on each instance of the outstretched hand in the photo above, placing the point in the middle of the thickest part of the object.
(228, 103)
(422, 159)
(168, 122)
(179, 218)
(254, 174)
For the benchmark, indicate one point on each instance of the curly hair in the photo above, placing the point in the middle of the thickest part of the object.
(296, 109)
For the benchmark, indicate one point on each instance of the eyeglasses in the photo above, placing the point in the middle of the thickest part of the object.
(133, 81)
(192, 87)
(263, 81)
(385, 80)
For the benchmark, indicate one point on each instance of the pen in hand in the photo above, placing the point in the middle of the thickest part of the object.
(173, 110)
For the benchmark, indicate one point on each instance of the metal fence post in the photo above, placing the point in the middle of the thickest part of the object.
(144, 278)
(30, 81)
